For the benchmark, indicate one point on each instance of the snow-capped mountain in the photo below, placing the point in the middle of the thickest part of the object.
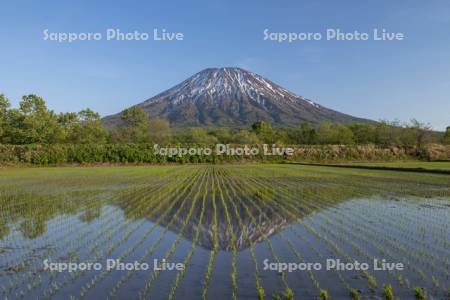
(233, 97)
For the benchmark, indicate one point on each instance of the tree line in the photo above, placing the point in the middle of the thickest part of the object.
(33, 123)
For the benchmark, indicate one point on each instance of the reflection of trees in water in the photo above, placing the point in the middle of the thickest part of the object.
(33, 227)
(89, 214)
(32, 212)
(4, 229)
(262, 204)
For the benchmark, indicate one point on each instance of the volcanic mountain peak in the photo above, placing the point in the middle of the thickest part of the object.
(227, 82)
(233, 97)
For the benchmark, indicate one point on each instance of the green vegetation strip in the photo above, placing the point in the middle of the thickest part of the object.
(387, 167)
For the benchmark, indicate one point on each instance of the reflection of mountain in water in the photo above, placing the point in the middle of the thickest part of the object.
(264, 229)
(253, 218)
(249, 212)
(255, 221)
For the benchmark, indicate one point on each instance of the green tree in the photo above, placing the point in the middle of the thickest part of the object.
(86, 128)
(446, 138)
(245, 137)
(135, 128)
(422, 133)
(34, 123)
(4, 124)
(159, 130)
(363, 133)
(307, 134)
(264, 131)
(223, 135)
(386, 135)
(68, 122)
(329, 133)
(200, 136)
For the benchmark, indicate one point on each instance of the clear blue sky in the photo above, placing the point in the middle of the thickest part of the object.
(372, 79)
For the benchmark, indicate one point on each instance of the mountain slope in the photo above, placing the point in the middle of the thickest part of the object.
(233, 97)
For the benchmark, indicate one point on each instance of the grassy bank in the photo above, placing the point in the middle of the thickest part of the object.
(87, 154)
(433, 165)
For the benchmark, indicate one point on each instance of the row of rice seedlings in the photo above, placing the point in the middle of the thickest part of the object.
(433, 255)
(25, 278)
(215, 247)
(154, 275)
(427, 219)
(288, 293)
(30, 273)
(397, 225)
(390, 182)
(96, 253)
(28, 278)
(338, 250)
(260, 292)
(12, 259)
(21, 250)
(232, 239)
(184, 198)
(245, 186)
(397, 181)
(181, 187)
(343, 238)
(160, 199)
(365, 238)
(398, 229)
(61, 198)
(123, 226)
(355, 247)
(423, 250)
(323, 294)
(378, 239)
(366, 274)
(400, 250)
(188, 258)
(335, 224)
(172, 189)
(421, 257)
(52, 193)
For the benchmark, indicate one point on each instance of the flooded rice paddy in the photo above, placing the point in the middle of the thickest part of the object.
(223, 232)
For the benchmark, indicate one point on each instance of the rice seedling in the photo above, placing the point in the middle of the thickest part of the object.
(188, 258)
(355, 294)
(420, 293)
(324, 295)
(388, 292)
